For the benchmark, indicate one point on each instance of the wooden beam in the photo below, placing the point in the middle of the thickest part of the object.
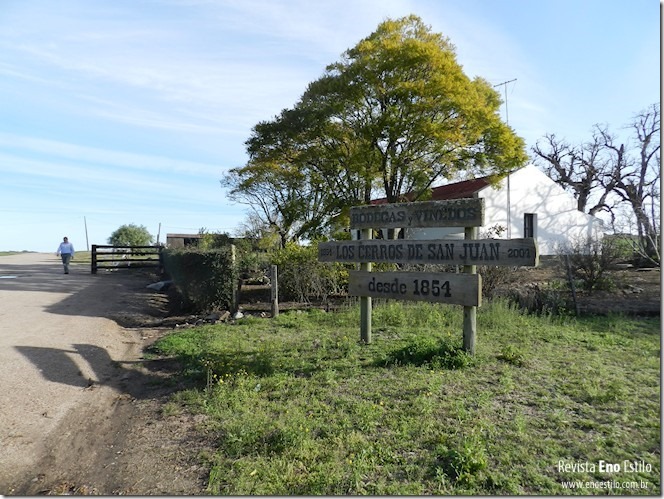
(440, 287)
(463, 212)
(505, 252)
(365, 300)
(470, 311)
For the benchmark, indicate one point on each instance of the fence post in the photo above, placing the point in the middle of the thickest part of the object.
(274, 288)
(237, 285)
(365, 301)
(161, 260)
(470, 313)
(93, 260)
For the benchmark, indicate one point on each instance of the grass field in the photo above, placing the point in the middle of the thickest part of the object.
(82, 258)
(296, 405)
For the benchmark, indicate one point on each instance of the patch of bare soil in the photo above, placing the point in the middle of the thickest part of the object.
(125, 446)
(123, 442)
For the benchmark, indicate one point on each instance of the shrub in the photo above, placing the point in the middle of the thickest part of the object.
(302, 277)
(254, 266)
(589, 259)
(493, 276)
(432, 352)
(205, 279)
(213, 240)
(547, 298)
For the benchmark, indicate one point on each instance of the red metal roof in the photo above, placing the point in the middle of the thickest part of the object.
(457, 190)
(465, 189)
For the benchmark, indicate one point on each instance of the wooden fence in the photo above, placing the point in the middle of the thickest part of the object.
(125, 257)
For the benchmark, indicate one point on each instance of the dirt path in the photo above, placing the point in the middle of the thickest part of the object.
(81, 410)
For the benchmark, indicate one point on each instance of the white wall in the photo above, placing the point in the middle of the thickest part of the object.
(531, 191)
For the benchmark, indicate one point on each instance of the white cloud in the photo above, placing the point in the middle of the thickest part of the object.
(100, 157)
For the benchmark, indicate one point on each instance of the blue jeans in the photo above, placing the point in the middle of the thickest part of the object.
(66, 257)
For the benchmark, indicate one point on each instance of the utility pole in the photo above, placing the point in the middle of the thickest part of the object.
(87, 244)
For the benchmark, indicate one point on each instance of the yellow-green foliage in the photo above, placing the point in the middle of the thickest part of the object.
(302, 277)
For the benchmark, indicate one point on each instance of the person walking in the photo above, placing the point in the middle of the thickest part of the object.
(66, 251)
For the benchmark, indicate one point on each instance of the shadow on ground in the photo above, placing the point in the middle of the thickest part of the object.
(138, 379)
(121, 296)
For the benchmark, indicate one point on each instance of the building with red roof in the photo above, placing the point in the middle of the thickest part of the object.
(525, 203)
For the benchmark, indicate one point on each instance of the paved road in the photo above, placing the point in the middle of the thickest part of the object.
(58, 350)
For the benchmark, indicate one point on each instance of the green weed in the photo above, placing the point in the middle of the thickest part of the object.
(430, 352)
(512, 355)
(463, 459)
(299, 406)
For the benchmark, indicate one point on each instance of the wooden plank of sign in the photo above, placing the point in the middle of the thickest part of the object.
(441, 287)
(465, 212)
(494, 252)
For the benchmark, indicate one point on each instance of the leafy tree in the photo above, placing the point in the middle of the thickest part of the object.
(394, 116)
(274, 183)
(131, 235)
(262, 237)
(411, 115)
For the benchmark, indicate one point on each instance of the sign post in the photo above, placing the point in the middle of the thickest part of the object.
(365, 301)
(470, 312)
(274, 290)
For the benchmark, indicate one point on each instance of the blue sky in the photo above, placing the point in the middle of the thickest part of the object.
(130, 111)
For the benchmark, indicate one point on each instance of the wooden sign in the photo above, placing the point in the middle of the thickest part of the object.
(458, 289)
(441, 287)
(466, 212)
(506, 252)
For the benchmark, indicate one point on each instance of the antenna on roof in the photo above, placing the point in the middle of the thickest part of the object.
(509, 189)
(507, 118)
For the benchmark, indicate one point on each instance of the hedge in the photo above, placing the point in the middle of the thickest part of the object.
(206, 279)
